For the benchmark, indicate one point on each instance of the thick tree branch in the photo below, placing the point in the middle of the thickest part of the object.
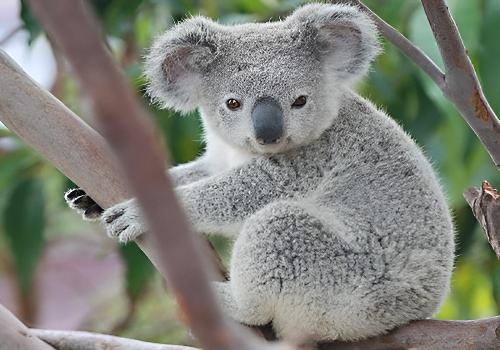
(71, 340)
(420, 335)
(433, 335)
(48, 126)
(463, 89)
(58, 134)
(15, 335)
(131, 135)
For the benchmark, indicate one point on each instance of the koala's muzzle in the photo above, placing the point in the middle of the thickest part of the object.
(267, 118)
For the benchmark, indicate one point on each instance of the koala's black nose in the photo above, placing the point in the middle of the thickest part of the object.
(267, 118)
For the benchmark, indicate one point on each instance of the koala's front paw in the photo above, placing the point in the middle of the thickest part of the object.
(78, 200)
(123, 221)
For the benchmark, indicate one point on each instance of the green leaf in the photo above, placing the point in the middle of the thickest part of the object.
(138, 268)
(30, 22)
(24, 223)
(489, 53)
(5, 132)
(117, 16)
(16, 164)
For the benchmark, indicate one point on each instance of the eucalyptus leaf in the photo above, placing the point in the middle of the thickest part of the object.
(138, 268)
(24, 222)
(31, 24)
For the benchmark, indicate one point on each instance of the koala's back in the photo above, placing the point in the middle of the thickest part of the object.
(387, 192)
(377, 170)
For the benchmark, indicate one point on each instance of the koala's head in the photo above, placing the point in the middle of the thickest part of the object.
(264, 87)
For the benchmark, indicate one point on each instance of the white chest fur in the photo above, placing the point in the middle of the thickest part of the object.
(221, 156)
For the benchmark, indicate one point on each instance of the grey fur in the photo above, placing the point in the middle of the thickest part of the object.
(341, 229)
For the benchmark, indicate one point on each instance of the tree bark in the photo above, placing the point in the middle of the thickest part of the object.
(15, 335)
(485, 204)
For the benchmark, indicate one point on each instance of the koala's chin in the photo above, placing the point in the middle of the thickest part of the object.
(283, 145)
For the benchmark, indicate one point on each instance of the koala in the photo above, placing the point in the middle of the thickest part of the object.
(341, 230)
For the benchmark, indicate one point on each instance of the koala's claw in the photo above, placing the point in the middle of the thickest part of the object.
(110, 217)
(74, 193)
(78, 200)
(123, 221)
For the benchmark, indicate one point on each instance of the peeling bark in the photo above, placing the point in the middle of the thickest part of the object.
(485, 204)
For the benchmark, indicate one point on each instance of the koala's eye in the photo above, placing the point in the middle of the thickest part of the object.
(299, 102)
(233, 104)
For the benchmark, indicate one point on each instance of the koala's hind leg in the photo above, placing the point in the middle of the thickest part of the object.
(278, 269)
(313, 274)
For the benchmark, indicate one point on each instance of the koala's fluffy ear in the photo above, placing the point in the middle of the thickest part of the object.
(177, 60)
(345, 36)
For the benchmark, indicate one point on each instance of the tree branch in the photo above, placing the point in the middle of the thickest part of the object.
(59, 135)
(402, 43)
(131, 135)
(432, 335)
(15, 335)
(462, 86)
(459, 83)
(71, 340)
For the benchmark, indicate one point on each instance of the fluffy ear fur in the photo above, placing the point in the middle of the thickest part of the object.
(346, 37)
(177, 60)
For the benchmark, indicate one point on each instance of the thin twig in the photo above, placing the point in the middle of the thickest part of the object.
(401, 42)
(71, 340)
(459, 83)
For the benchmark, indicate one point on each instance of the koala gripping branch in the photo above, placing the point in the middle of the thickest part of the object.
(64, 140)
(73, 147)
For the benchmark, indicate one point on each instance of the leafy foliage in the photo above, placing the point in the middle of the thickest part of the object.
(138, 268)
(31, 191)
(24, 223)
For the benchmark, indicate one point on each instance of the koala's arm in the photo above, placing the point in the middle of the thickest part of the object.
(216, 204)
(187, 173)
(221, 203)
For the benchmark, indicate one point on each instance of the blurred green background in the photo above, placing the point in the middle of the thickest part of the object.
(58, 271)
